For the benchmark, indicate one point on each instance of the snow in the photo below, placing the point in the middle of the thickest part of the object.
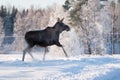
(83, 67)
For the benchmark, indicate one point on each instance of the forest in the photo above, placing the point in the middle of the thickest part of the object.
(95, 26)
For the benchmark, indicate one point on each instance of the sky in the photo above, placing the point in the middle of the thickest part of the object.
(29, 3)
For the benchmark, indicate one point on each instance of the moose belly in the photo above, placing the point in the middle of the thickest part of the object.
(45, 44)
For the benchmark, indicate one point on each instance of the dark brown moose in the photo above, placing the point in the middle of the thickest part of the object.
(45, 38)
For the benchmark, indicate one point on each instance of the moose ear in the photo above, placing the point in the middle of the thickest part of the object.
(58, 19)
(62, 19)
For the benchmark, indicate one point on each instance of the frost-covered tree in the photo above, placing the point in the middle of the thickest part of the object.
(1, 30)
(91, 33)
(114, 18)
(115, 11)
(83, 17)
(75, 12)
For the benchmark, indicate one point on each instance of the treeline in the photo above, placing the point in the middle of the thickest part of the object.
(23, 19)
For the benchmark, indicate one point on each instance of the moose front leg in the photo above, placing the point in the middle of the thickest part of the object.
(64, 52)
(60, 45)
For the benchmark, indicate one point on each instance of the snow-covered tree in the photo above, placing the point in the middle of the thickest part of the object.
(83, 16)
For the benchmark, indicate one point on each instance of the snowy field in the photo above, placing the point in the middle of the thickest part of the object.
(82, 67)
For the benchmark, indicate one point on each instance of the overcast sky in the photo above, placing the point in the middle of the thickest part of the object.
(28, 3)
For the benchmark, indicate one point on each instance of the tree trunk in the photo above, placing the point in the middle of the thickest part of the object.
(89, 48)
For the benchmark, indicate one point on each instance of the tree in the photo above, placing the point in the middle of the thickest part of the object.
(67, 5)
(114, 19)
(82, 16)
(3, 11)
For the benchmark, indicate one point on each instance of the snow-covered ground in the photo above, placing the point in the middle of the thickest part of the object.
(81, 67)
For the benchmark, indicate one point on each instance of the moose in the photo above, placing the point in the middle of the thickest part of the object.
(44, 38)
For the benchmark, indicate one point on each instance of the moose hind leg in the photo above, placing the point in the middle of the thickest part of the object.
(44, 54)
(24, 53)
(29, 51)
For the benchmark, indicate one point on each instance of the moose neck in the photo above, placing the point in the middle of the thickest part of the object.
(57, 28)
